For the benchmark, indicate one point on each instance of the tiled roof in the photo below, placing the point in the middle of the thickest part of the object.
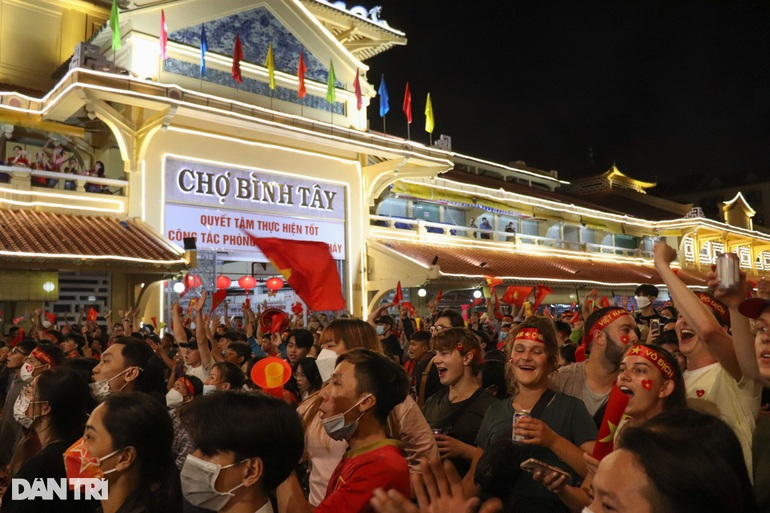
(41, 239)
(456, 262)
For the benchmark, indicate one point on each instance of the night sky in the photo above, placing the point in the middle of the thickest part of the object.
(661, 88)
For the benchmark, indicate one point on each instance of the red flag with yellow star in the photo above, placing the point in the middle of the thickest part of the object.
(308, 268)
(516, 295)
(616, 405)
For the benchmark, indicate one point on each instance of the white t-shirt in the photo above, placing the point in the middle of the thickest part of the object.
(712, 389)
(200, 372)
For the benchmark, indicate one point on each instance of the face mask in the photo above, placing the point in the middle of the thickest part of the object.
(503, 335)
(326, 362)
(642, 302)
(27, 372)
(174, 398)
(209, 389)
(101, 389)
(335, 425)
(380, 330)
(79, 464)
(20, 410)
(198, 483)
(587, 510)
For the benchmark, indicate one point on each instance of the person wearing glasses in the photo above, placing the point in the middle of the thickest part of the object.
(446, 319)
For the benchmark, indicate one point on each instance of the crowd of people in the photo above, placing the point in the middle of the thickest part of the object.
(52, 158)
(398, 413)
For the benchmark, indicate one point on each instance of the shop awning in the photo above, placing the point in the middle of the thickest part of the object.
(39, 240)
(526, 266)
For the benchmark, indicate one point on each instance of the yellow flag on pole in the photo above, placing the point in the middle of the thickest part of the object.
(429, 122)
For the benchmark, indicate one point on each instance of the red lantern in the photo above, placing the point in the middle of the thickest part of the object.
(247, 282)
(193, 281)
(274, 284)
(223, 281)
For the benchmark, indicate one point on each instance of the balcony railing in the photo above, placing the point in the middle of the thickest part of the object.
(422, 229)
(56, 180)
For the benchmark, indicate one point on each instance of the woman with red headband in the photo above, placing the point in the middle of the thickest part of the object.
(652, 379)
(556, 428)
(455, 413)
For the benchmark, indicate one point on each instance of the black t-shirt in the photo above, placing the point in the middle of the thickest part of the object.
(441, 413)
(391, 346)
(48, 463)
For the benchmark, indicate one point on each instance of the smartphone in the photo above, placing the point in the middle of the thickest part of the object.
(532, 465)
(655, 326)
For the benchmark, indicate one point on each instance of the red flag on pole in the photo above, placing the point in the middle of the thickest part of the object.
(237, 58)
(439, 295)
(616, 405)
(309, 269)
(357, 89)
(154, 322)
(92, 315)
(540, 293)
(408, 104)
(604, 302)
(399, 295)
(50, 317)
(163, 35)
(516, 295)
(301, 70)
(476, 302)
(498, 311)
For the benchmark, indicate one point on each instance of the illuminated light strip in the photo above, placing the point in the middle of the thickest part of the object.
(90, 257)
(345, 11)
(46, 194)
(144, 189)
(58, 205)
(554, 280)
(509, 168)
(288, 117)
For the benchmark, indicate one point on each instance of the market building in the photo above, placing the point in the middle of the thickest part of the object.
(194, 160)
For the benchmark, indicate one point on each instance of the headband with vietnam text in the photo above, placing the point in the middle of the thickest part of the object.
(533, 334)
(718, 308)
(605, 321)
(655, 358)
(43, 357)
(188, 385)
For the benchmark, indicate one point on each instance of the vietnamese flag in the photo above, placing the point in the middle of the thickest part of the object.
(493, 281)
(399, 295)
(154, 322)
(309, 269)
(92, 315)
(516, 295)
(237, 58)
(301, 70)
(616, 405)
(540, 293)
(604, 302)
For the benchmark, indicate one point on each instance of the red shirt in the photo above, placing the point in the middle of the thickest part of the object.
(379, 465)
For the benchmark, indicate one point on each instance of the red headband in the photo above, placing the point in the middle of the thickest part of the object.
(43, 357)
(530, 334)
(603, 322)
(655, 358)
(716, 306)
(187, 384)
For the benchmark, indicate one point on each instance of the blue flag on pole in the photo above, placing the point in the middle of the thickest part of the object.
(384, 100)
(204, 49)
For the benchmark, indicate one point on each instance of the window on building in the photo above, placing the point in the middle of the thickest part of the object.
(426, 211)
(392, 207)
(529, 227)
(455, 216)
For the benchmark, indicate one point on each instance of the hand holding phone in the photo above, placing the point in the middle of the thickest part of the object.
(533, 465)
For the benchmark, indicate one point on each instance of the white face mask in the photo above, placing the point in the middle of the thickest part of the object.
(209, 389)
(199, 479)
(326, 362)
(335, 425)
(642, 302)
(101, 389)
(27, 372)
(587, 510)
(20, 410)
(174, 398)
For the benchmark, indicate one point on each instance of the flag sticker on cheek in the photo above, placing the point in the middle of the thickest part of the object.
(647, 384)
(624, 339)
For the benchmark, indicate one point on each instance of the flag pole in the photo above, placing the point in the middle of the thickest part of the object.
(384, 126)
(408, 131)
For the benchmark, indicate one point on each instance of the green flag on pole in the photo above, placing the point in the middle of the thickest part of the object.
(115, 26)
(331, 92)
